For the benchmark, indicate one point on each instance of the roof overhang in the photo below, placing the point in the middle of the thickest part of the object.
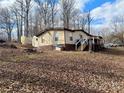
(66, 29)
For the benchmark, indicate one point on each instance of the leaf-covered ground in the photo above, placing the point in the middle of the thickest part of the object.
(62, 72)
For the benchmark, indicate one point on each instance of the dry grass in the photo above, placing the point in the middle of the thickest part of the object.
(62, 72)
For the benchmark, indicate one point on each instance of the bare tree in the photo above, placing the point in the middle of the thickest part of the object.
(53, 10)
(75, 16)
(31, 24)
(68, 6)
(44, 11)
(27, 7)
(37, 22)
(89, 20)
(7, 21)
(83, 21)
(17, 20)
(117, 24)
(18, 9)
(21, 9)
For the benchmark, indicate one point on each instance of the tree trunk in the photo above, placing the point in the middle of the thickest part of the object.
(52, 19)
(9, 36)
(27, 24)
(18, 30)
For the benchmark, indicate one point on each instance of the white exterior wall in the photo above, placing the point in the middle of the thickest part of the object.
(75, 35)
(61, 38)
(34, 41)
(48, 38)
(26, 40)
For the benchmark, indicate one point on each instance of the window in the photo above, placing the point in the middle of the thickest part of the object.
(71, 38)
(56, 38)
(42, 40)
(36, 39)
(81, 36)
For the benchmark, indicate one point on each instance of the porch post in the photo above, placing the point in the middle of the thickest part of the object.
(93, 44)
(90, 44)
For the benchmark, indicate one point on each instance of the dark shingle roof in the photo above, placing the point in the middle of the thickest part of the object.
(65, 29)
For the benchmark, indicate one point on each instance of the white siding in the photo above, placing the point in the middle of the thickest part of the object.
(48, 38)
(60, 36)
(75, 35)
